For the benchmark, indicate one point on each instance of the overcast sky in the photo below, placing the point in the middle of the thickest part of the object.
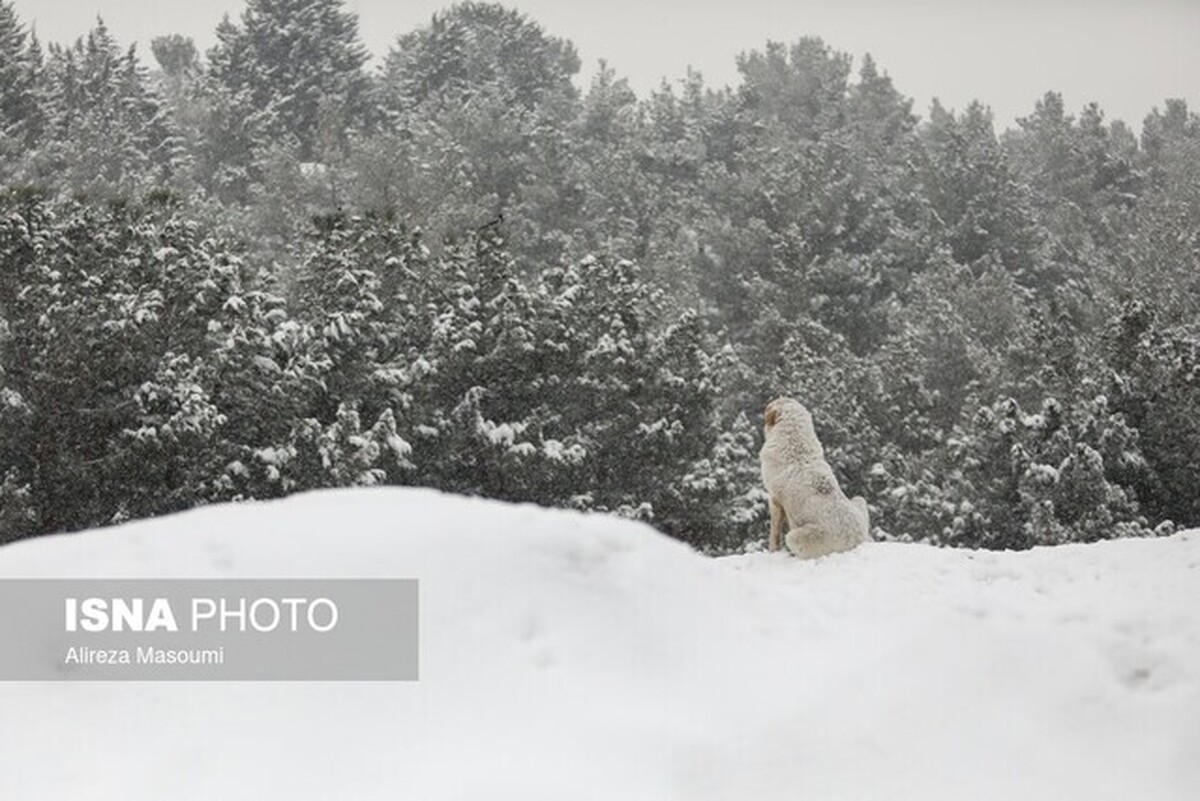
(1124, 54)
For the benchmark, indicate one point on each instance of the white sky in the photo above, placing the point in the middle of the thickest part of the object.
(1124, 54)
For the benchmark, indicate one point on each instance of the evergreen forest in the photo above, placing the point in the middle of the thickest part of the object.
(277, 266)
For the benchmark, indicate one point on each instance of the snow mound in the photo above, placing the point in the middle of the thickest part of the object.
(578, 656)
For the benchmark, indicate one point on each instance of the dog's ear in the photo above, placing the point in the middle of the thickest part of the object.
(771, 414)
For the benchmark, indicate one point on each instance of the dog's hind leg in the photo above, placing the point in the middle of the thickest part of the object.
(777, 517)
(810, 541)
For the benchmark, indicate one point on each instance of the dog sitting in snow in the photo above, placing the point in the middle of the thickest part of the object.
(802, 488)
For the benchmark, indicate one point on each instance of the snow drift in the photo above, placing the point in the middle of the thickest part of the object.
(574, 656)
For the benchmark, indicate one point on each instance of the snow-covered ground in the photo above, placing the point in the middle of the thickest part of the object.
(566, 656)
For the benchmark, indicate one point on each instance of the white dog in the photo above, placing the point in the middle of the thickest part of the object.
(803, 489)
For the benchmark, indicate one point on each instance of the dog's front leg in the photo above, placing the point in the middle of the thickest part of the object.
(776, 525)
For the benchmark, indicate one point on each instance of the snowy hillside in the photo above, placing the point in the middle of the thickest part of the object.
(579, 657)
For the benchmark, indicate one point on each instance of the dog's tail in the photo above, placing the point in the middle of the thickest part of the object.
(864, 516)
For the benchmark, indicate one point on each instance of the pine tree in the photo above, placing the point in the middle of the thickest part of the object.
(288, 60)
(1013, 480)
(478, 401)
(107, 133)
(106, 334)
(800, 87)
(21, 115)
(480, 97)
(985, 211)
(1153, 383)
(475, 48)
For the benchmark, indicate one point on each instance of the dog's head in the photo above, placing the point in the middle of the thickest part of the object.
(782, 409)
(790, 415)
